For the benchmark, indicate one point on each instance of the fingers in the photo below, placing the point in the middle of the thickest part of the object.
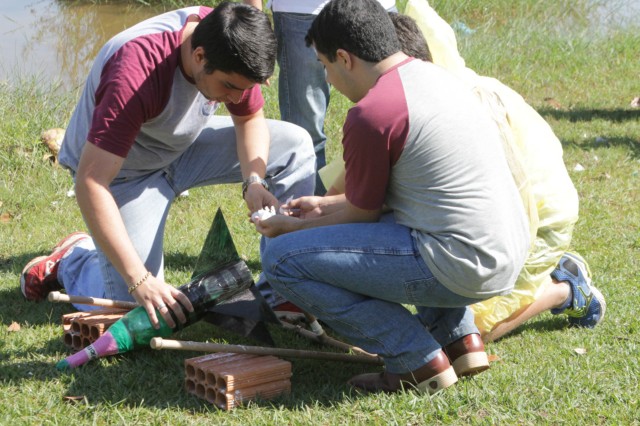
(182, 299)
(293, 204)
(160, 310)
(170, 310)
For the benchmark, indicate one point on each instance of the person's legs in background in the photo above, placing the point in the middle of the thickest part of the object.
(303, 92)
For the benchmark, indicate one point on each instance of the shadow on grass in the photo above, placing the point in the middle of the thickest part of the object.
(544, 324)
(584, 115)
(608, 142)
(145, 377)
(157, 380)
(576, 115)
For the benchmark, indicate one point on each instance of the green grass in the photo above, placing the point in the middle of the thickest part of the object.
(544, 50)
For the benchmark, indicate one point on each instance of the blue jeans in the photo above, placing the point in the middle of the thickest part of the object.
(303, 91)
(144, 201)
(357, 277)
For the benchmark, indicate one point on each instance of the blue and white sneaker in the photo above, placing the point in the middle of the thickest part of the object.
(587, 305)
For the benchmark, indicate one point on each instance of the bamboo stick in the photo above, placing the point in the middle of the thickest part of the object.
(56, 296)
(317, 335)
(160, 343)
(324, 339)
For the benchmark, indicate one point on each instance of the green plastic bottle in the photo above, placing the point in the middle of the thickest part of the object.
(135, 330)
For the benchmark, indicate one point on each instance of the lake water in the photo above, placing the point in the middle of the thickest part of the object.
(55, 41)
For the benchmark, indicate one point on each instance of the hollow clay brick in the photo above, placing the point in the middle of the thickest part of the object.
(92, 328)
(80, 329)
(264, 391)
(267, 371)
(68, 339)
(197, 368)
(76, 342)
(228, 380)
(67, 318)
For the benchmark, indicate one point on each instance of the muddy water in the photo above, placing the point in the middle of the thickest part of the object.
(55, 41)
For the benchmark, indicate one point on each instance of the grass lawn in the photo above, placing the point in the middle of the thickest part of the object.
(576, 62)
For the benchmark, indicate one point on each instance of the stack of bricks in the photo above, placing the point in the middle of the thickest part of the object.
(227, 380)
(83, 328)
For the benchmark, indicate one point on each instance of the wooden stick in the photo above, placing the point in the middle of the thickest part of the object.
(56, 296)
(323, 339)
(317, 335)
(160, 343)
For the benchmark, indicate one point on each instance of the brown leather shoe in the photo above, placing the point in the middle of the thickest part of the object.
(467, 355)
(432, 377)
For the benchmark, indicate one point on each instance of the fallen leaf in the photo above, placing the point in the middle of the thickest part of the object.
(555, 104)
(635, 103)
(52, 138)
(578, 168)
(73, 399)
(493, 358)
(5, 217)
(605, 175)
(14, 327)
(580, 351)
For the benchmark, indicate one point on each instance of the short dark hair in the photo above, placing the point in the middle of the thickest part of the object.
(237, 38)
(411, 38)
(361, 27)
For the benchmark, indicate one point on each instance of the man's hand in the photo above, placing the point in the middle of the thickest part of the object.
(277, 225)
(257, 197)
(304, 207)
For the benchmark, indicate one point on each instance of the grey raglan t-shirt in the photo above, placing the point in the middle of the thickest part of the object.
(138, 104)
(421, 143)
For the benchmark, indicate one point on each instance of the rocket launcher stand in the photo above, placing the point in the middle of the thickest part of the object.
(219, 275)
(134, 330)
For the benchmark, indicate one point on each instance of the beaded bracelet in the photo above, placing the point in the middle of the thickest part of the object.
(139, 283)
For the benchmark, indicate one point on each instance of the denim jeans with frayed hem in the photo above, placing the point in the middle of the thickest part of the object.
(357, 278)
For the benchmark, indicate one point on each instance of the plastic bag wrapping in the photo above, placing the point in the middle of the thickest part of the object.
(554, 197)
(330, 173)
(534, 155)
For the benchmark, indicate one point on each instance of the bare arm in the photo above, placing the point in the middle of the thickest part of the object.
(337, 210)
(255, 3)
(96, 170)
(253, 140)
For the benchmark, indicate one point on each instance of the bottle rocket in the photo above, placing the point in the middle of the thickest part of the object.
(134, 330)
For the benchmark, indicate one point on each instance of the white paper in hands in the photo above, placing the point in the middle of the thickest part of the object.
(263, 213)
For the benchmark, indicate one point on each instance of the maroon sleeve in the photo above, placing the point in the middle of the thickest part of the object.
(132, 90)
(375, 133)
(250, 102)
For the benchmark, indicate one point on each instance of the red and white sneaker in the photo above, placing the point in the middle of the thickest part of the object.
(40, 276)
(287, 307)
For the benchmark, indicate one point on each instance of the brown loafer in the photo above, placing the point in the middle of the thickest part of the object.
(467, 355)
(432, 377)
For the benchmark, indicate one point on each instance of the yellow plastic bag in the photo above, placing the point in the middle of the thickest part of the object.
(535, 158)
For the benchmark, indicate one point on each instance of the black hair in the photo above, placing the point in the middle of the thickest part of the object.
(237, 38)
(361, 27)
(411, 38)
